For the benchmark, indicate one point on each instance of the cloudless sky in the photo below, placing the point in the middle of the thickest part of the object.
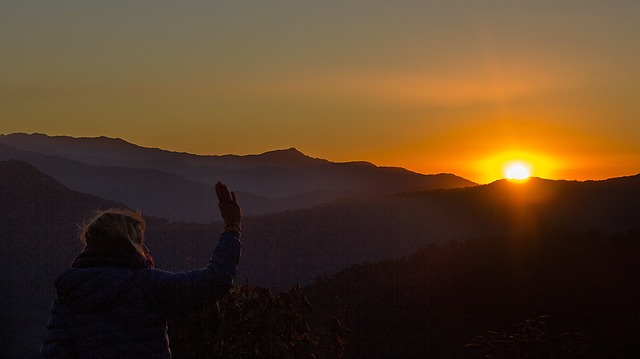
(432, 86)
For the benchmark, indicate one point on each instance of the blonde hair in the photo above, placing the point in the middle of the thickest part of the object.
(115, 223)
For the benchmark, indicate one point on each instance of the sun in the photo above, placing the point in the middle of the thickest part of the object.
(517, 170)
(517, 165)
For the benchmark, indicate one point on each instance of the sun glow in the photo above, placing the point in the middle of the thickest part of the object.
(517, 170)
(530, 163)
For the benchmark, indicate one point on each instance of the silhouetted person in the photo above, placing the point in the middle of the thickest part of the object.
(112, 303)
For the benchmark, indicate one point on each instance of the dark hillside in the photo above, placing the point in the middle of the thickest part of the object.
(432, 303)
(295, 246)
(38, 237)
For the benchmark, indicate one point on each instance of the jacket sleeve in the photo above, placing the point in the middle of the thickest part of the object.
(57, 341)
(176, 292)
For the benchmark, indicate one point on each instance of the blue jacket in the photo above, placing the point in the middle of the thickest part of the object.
(116, 312)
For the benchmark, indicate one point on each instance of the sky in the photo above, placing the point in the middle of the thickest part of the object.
(432, 86)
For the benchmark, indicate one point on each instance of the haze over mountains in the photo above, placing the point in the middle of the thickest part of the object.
(178, 186)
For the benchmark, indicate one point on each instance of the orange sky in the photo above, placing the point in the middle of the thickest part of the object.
(455, 86)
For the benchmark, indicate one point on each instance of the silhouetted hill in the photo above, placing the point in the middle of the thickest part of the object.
(38, 240)
(275, 174)
(295, 246)
(433, 302)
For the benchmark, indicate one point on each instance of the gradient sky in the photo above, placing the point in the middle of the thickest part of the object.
(432, 86)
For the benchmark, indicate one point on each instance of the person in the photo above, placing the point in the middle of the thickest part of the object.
(113, 303)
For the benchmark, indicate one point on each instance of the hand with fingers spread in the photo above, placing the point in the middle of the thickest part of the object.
(229, 208)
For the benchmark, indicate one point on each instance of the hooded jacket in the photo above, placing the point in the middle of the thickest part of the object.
(118, 312)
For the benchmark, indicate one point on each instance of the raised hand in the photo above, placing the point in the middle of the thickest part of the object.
(229, 207)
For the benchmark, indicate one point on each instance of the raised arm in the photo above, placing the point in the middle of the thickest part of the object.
(176, 292)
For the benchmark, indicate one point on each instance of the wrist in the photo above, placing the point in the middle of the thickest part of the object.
(232, 228)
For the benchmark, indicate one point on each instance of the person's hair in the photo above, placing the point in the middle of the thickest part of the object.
(115, 223)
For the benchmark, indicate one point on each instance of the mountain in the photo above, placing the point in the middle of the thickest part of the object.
(442, 297)
(275, 174)
(107, 151)
(158, 193)
(296, 246)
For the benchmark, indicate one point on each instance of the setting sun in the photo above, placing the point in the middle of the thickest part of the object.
(516, 165)
(517, 170)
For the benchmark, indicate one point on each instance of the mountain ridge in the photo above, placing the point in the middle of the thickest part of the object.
(38, 142)
(110, 148)
(274, 181)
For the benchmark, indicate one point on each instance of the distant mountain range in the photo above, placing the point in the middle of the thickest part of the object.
(178, 186)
